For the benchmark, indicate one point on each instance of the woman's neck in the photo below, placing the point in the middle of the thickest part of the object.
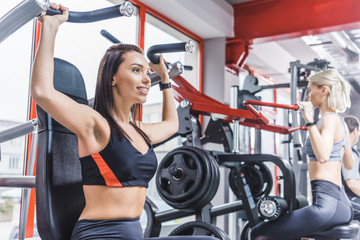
(122, 115)
(324, 111)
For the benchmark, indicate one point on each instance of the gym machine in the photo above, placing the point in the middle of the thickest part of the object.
(201, 105)
(178, 178)
(30, 9)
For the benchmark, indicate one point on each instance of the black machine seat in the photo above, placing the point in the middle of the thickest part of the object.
(346, 231)
(59, 193)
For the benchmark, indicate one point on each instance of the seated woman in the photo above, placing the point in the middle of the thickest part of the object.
(327, 146)
(115, 149)
(351, 177)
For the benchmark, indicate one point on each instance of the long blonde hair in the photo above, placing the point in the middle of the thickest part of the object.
(339, 89)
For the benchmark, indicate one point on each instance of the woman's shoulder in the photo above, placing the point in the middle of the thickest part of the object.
(330, 121)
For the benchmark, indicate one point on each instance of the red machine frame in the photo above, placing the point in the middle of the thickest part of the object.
(205, 105)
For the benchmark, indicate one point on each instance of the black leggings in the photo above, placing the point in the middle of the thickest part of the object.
(330, 207)
(355, 202)
(129, 229)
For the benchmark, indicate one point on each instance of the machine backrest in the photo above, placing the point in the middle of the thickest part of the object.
(59, 193)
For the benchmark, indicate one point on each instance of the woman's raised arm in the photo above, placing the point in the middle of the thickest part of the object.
(158, 132)
(78, 118)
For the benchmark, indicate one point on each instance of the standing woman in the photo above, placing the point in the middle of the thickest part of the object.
(115, 150)
(327, 146)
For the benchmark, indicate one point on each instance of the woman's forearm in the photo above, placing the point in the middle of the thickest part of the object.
(169, 112)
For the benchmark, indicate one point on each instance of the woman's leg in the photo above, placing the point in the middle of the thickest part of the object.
(328, 209)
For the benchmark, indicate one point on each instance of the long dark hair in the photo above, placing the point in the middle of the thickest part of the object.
(104, 99)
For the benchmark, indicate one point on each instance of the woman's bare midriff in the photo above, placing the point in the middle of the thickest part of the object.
(328, 171)
(104, 202)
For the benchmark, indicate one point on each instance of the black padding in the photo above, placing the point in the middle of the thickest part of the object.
(347, 231)
(59, 193)
(68, 79)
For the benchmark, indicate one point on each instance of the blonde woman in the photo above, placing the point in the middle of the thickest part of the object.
(327, 146)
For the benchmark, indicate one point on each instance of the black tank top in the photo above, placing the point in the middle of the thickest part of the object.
(119, 164)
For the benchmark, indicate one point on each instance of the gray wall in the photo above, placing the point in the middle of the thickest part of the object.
(213, 86)
(213, 68)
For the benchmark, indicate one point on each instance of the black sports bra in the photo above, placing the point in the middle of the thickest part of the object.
(119, 164)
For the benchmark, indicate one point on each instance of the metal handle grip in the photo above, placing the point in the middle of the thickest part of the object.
(125, 9)
(175, 70)
(171, 47)
(109, 36)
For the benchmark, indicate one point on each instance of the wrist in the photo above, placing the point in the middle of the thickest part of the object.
(164, 86)
(165, 77)
(309, 124)
(50, 26)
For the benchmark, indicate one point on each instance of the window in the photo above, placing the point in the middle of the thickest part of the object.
(158, 32)
(15, 60)
(82, 44)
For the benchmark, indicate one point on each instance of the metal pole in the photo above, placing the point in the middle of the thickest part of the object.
(298, 162)
(234, 98)
(26, 192)
(18, 131)
(234, 91)
(17, 181)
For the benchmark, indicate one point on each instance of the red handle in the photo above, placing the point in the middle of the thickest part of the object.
(275, 105)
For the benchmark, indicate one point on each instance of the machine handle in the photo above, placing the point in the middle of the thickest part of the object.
(109, 36)
(295, 107)
(124, 9)
(171, 47)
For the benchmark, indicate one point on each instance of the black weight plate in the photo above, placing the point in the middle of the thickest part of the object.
(214, 182)
(152, 228)
(192, 201)
(196, 200)
(179, 175)
(258, 177)
(268, 179)
(199, 229)
(245, 232)
(253, 178)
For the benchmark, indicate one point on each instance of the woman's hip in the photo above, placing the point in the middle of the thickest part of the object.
(87, 229)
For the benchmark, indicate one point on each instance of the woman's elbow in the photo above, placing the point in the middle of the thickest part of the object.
(323, 158)
(349, 165)
(39, 95)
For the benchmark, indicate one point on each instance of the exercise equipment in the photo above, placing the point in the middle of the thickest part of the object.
(175, 69)
(259, 178)
(245, 233)
(199, 228)
(272, 207)
(18, 130)
(198, 103)
(59, 192)
(20, 15)
(153, 227)
(187, 178)
(171, 47)
(109, 36)
(30, 9)
(124, 9)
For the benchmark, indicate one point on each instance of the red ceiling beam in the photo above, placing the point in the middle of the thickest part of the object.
(236, 54)
(270, 20)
